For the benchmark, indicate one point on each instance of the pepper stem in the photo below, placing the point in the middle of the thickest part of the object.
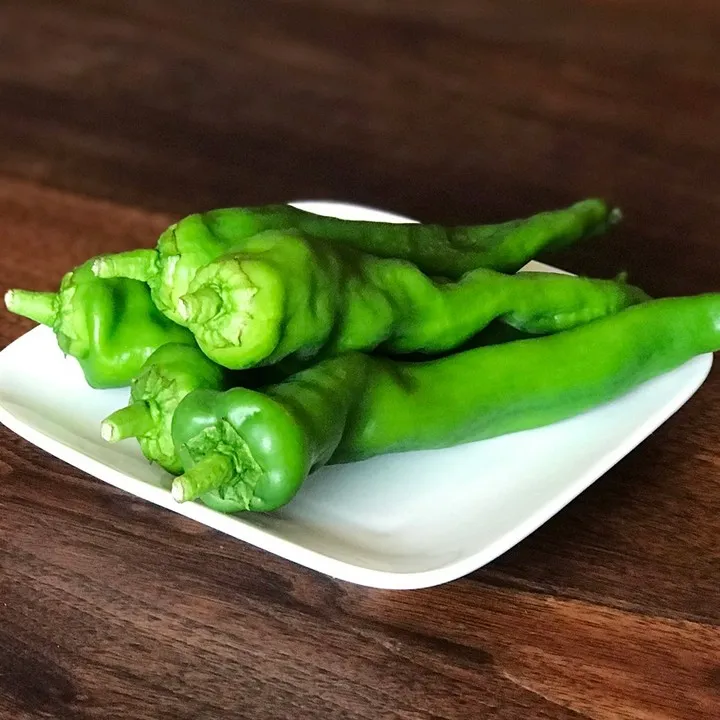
(134, 420)
(209, 474)
(134, 264)
(200, 306)
(615, 217)
(38, 306)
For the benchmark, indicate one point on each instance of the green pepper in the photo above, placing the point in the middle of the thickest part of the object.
(169, 374)
(246, 450)
(290, 295)
(198, 239)
(110, 326)
(249, 450)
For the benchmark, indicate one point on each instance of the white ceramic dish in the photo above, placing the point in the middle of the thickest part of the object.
(399, 521)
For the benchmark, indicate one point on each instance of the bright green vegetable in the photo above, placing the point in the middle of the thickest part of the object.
(198, 239)
(170, 373)
(245, 450)
(289, 295)
(110, 326)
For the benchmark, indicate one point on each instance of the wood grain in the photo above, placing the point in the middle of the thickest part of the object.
(115, 118)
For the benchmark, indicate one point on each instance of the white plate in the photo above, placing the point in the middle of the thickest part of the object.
(399, 521)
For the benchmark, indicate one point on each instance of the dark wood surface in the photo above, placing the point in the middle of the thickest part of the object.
(118, 117)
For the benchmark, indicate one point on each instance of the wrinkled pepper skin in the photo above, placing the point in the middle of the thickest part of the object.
(200, 238)
(110, 326)
(249, 450)
(169, 374)
(290, 295)
(245, 450)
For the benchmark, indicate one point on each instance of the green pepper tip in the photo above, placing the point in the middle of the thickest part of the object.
(135, 420)
(108, 431)
(209, 474)
(98, 267)
(622, 277)
(133, 264)
(38, 306)
(178, 490)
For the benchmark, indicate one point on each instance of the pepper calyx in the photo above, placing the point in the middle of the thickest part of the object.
(233, 473)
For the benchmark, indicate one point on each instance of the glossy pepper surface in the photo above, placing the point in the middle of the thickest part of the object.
(198, 239)
(245, 450)
(290, 295)
(168, 375)
(110, 326)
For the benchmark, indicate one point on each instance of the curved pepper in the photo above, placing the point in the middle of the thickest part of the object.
(169, 374)
(245, 450)
(249, 450)
(110, 326)
(289, 295)
(198, 239)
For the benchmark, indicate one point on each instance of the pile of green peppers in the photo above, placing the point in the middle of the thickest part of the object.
(261, 343)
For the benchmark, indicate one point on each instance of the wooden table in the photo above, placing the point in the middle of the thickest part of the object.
(118, 117)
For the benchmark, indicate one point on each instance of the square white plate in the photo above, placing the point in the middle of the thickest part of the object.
(398, 521)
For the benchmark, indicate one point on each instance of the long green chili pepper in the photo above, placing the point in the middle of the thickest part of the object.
(110, 326)
(198, 239)
(289, 295)
(169, 374)
(245, 450)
